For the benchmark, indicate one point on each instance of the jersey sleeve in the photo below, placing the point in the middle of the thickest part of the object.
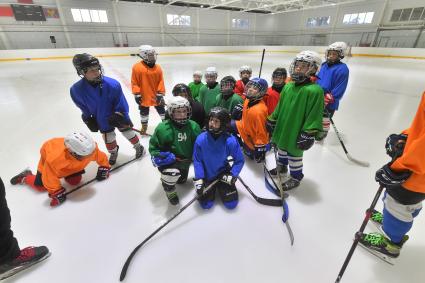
(80, 104)
(314, 111)
(236, 154)
(161, 85)
(197, 160)
(341, 83)
(410, 160)
(101, 158)
(154, 143)
(135, 80)
(50, 178)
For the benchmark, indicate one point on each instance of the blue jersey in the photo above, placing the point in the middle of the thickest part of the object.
(210, 156)
(333, 79)
(100, 102)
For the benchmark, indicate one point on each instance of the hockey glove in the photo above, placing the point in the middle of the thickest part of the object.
(119, 121)
(237, 112)
(91, 123)
(270, 125)
(388, 178)
(164, 158)
(228, 179)
(259, 153)
(305, 140)
(138, 99)
(329, 98)
(160, 99)
(102, 173)
(199, 186)
(395, 145)
(57, 197)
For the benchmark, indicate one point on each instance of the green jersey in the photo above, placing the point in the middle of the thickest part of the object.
(194, 89)
(208, 96)
(178, 140)
(230, 103)
(300, 108)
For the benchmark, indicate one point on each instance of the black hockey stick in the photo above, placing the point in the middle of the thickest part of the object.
(133, 253)
(358, 234)
(137, 131)
(361, 163)
(285, 215)
(265, 201)
(94, 179)
(261, 66)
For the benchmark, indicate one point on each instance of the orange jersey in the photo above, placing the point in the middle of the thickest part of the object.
(252, 126)
(413, 157)
(147, 82)
(56, 162)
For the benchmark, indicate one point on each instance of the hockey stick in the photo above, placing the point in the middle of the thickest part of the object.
(261, 66)
(137, 131)
(361, 163)
(358, 234)
(285, 215)
(133, 253)
(94, 179)
(269, 202)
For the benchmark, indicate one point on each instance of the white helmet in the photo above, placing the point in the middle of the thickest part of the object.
(245, 68)
(197, 73)
(147, 53)
(311, 57)
(211, 71)
(178, 102)
(80, 143)
(339, 46)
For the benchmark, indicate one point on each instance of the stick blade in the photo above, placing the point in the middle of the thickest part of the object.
(358, 162)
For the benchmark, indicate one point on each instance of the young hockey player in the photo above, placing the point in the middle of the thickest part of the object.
(147, 84)
(245, 73)
(226, 98)
(198, 112)
(171, 146)
(273, 93)
(208, 93)
(12, 258)
(196, 85)
(210, 161)
(64, 158)
(297, 117)
(333, 78)
(102, 104)
(404, 181)
(250, 125)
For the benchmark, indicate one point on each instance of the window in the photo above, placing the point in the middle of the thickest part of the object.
(89, 16)
(408, 14)
(318, 21)
(358, 18)
(240, 23)
(178, 20)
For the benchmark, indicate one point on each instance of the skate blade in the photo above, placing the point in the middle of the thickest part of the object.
(16, 270)
(379, 255)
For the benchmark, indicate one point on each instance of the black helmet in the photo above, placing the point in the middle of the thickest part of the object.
(279, 72)
(221, 114)
(84, 61)
(182, 88)
(227, 85)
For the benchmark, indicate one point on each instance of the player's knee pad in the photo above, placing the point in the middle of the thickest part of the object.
(207, 200)
(170, 176)
(401, 211)
(207, 204)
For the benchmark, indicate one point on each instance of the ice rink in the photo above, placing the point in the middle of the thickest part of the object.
(93, 232)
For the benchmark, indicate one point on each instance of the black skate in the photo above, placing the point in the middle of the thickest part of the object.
(173, 198)
(381, 247)
(280, 169)
(140, 150)
(290, 184)
(376, 218)
(113, 157)
(28, 257)
(19, 179)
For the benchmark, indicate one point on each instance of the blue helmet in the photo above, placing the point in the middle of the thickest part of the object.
(258, 84)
